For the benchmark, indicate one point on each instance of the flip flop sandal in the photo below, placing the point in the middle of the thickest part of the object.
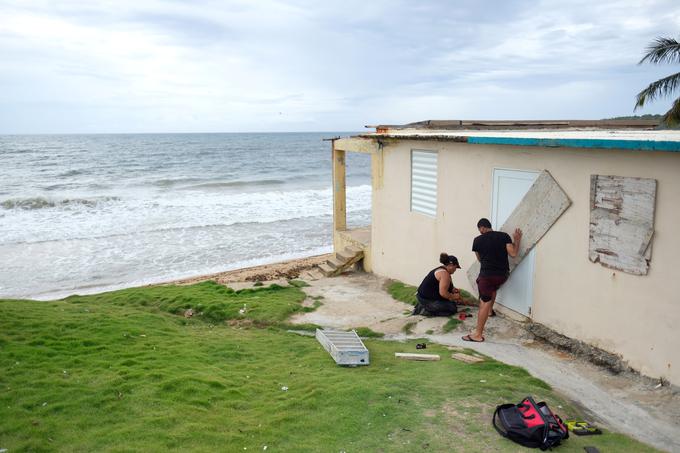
(469, 338)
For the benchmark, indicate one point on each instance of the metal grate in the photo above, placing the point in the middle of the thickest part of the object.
(346, 348)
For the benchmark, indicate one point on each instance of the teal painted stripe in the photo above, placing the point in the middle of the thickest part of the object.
(647, 145)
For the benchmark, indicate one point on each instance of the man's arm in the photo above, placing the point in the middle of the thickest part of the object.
(513, 248)
(478, 257)
(444, 282)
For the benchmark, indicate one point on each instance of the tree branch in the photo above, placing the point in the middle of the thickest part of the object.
(660, 88)
(672, 117)
(662, 50)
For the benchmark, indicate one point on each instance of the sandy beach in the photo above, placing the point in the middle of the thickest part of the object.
(284, 270)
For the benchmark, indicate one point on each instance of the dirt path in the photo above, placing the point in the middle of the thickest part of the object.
(624, 403)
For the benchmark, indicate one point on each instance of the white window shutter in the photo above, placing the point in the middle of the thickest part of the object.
(424, 182)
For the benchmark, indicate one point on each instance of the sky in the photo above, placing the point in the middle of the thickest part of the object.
(294, 65)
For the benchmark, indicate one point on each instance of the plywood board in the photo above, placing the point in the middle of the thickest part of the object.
(466, 358)
(540, 208)
(622, 222)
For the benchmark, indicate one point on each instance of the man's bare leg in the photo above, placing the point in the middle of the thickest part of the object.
(493, 301)
(482, 317)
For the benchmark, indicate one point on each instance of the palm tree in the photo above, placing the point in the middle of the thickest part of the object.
(662, 50)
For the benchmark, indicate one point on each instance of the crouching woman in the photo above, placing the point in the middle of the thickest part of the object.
(436, 294)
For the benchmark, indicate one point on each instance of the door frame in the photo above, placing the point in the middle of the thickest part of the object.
(530, 258)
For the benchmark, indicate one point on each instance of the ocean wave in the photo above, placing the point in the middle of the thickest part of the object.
(52, 187)
(30, 223)
(71, 173)
(172, 182)
(238, 183)
(33, 203)
(163, 230)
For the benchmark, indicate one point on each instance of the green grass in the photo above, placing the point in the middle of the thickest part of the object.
(317, 303)
(366, 332)
(210, 301)
(468, 299)
(407, 293)
(451, 324)
(298, 283)
(121, 372)
(402, 292)
(408, 327)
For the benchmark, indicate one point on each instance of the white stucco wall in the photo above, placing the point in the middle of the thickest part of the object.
(637, 317)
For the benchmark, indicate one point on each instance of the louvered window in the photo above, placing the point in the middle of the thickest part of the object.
(424, 182)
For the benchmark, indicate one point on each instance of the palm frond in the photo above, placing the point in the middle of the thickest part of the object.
(662, 50)
(672, 117)
(661, 88)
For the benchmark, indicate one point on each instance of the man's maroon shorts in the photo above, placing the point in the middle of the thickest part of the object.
(488, 284)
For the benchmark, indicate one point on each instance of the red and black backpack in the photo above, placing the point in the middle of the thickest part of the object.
(530, 424)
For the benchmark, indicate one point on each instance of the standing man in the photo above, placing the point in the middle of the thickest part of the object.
(492, 249)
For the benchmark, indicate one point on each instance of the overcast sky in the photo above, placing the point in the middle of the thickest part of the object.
(296, 65)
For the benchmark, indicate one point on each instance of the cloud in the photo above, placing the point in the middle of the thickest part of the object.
(129, 66)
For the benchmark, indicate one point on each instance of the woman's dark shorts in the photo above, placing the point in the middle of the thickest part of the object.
(488, 285)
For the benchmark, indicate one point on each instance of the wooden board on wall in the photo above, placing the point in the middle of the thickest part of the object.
(622, 222)
(540, 208)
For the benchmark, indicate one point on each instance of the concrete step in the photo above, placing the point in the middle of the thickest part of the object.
(348, 254)
(344, 255)
(316, 274)
(311, 275)
(305, 275)
(336, 263)
(326, 269)
(354, 249)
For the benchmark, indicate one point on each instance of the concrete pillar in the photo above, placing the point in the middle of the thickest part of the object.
(339, 189)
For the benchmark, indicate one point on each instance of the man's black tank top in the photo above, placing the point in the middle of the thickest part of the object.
(429, 288)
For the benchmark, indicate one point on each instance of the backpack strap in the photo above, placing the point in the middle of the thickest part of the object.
(495, 414)
(545, 443)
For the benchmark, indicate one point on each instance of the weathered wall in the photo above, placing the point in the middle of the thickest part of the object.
(635, 316)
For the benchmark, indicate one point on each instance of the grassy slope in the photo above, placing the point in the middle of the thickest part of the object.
(119, 372)
(407, 293)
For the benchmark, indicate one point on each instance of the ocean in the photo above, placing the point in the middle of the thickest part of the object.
(88, 213)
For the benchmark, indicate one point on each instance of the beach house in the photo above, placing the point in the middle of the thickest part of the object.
(605, 271)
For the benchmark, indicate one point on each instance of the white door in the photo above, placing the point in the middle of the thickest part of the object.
(509, 187)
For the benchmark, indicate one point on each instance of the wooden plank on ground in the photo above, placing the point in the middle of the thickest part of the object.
(413, 356)
(622, 222)
(540, 208)
(466, 358)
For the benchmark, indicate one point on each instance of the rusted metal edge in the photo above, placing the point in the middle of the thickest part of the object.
(598, 143)
(518, 124)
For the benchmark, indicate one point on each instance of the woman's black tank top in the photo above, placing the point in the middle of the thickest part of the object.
(429, 288)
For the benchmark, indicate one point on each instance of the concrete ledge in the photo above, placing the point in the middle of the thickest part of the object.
(510, 313)
(612, 362)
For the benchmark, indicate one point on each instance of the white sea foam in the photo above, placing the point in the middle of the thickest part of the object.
(136, 214)
(91, 212)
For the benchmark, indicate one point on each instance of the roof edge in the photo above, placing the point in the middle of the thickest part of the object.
(520, 124)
